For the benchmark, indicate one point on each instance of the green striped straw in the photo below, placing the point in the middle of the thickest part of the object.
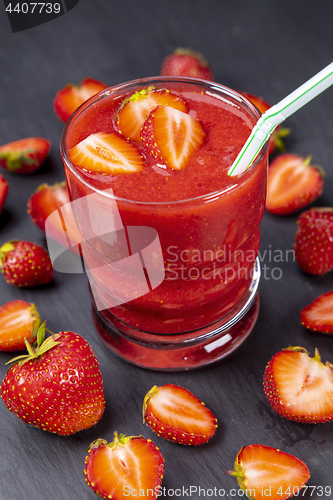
(277, 114)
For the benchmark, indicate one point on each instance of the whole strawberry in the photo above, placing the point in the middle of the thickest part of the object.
(25, 264)
(314, 241)
(186, 62)
(58, 386)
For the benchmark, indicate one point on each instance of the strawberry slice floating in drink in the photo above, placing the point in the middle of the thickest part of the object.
(171, 136)
(106, 153)
(134, 110)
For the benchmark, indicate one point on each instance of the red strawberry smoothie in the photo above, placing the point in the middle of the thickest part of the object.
(207, 222)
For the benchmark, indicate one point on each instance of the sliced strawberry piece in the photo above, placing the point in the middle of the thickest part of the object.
(24, 156)
(19, 320)
(264, 472)
(130, 466)
(314, 241)
(172, 136)
(45, 200)
(292, 183)
(186, 62)
(298, 387)
(318, 315)
(176, 414)
(275, 141)
(134, 110)
(3, 191)
(68, 99)
(106, 153)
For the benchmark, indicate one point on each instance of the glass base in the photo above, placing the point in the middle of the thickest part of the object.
(184, 351)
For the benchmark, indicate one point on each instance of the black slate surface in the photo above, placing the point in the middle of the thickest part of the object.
(265, 47)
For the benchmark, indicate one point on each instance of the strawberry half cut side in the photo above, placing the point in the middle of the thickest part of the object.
(106, 154)
(24, 156)
(46, 200)
(127, 466)
(264, 472)
(68, 99)
(176, 414)
(172, 136)
(292, 183)
(318, 315)
(134, 110)
(298, 387)
(19, 320)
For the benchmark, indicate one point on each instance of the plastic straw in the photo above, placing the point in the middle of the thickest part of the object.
(277, 114)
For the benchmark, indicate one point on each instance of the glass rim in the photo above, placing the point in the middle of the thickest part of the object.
(217, 87)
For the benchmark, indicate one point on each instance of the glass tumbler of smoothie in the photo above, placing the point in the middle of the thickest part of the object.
(169, 240)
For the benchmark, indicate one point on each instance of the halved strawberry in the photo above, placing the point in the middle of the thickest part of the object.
(298, 387)
(292, 183)
(275, 141)
(264, 472)
(45, 200)
(106, 153)
(3, 191)
(134, 110)
(68, 99)
(318, 315)
(19, 320)
(186, 62)
(176, 414)
(129, 467)
(24, 156)
(172, 136)
(314, 241)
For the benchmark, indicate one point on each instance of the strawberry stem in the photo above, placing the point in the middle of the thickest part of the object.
(307, 160)
(154, 390)
(15, 159)
(5, 249)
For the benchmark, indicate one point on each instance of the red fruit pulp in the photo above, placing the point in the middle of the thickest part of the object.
(207, 222)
